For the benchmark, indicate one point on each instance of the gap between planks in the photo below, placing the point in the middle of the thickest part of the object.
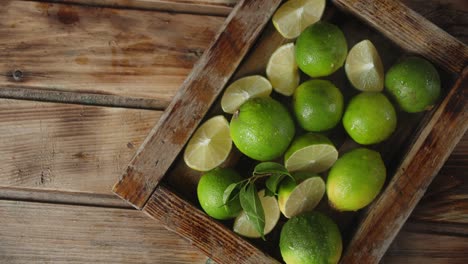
(202, 7)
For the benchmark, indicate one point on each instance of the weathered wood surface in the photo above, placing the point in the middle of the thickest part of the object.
(130, 53)
(213, 238)
(68, 147)
(445, 202)
(410, 31)
(52, 233)
(193, 100)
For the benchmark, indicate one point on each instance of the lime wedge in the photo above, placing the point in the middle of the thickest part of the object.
(364, 67)
(209, 146)
(282, 70)
(311, 153)
(295, 15)
(244, 227)
(242, 90)
(295, 199)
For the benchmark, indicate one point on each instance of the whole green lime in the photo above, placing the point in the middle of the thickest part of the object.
(262, 128)
(369, 118)
(318, 105)
(210, 193)
(414, 83)
(321, 49)
(310, 238)
(355, 179)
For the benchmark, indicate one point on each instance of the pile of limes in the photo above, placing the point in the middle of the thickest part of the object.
(264, 129)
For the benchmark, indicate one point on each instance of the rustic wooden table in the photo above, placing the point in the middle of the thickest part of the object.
(80, 87)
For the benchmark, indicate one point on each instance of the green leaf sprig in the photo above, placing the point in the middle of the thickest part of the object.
(248, 194)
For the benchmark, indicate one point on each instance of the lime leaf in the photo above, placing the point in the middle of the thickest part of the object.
(231, 192)
(270, 168)
(252, 206)
(272, 184)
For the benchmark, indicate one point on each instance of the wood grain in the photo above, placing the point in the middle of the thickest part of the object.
(213, 238)
(52, 233)
(193, 100)
(68, 147)
(410, 31)
(211, 7)
(132, 53)
(420, 242)
(432, 146)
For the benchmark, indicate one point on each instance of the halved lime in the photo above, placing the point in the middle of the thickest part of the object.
(282, 70)
(295, 15)
(310, 152)
(243, 226)
(209, 146)
(242, 90)
(364, 67)
(295, 199)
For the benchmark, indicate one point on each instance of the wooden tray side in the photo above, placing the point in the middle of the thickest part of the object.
(410, 31)
(424, 159)
(216, 240)
(195, 97)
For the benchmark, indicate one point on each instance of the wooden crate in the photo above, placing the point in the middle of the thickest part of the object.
(413, 154)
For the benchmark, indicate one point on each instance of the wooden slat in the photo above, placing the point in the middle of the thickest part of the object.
(410, 31)
(426, 156)
(419, 242)
(62, 197)
(132, 53)
(193, 100)
(52, 233)
(211, 7)
(213, 238)
(68, 147)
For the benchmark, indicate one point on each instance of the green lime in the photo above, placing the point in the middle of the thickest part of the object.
(321, 49)
(355, 179)
(369, 118)
(300, 196)
(414, 83)
(262, 129)
(310, 152)
(210, 193)
(318, 105)
(310, 238)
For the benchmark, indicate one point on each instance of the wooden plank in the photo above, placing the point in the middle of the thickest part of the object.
(61, 197)
(131, 53)
(68, 147)
(432, 147)
(211, 7)
(410, 31)
(446, 200)
(193, 100)
(52, 233)
(415, 245)
(213, 238)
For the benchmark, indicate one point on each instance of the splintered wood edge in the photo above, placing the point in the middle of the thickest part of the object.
(195, 97)
(211, 237)
(410, 31)
(424, 159)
